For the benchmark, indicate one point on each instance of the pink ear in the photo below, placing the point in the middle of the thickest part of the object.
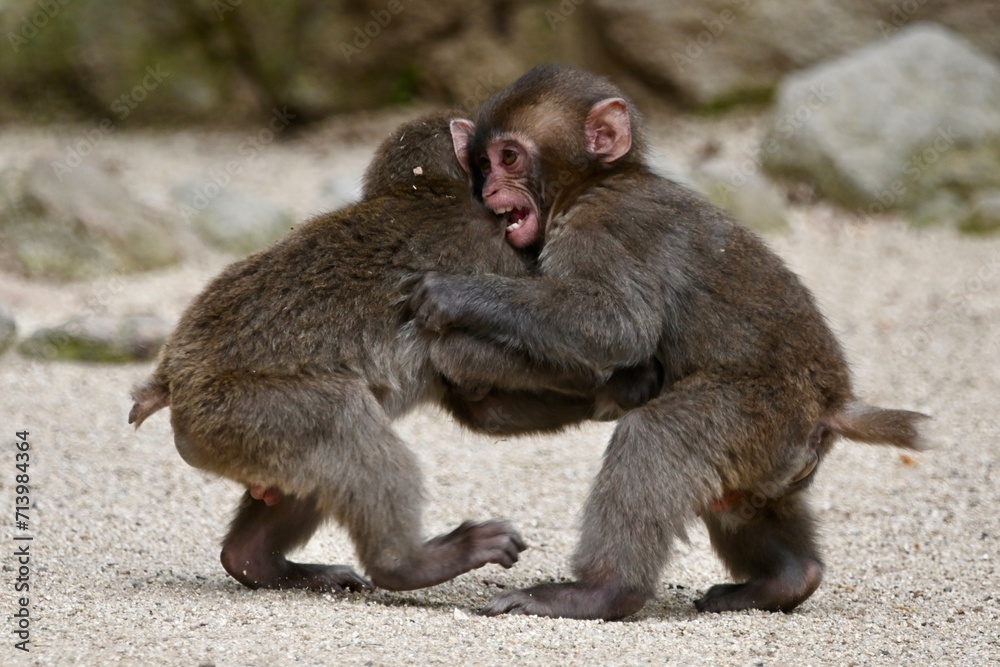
(461, 134)
(608, 129)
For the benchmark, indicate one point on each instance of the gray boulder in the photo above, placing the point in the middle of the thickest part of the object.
(717, 52)
(99, 338)
(65, 219)
(8, 329)
(912, 123)
(745, 192)
(232, 221)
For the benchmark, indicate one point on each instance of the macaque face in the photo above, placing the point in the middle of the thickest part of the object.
(507, 165)
(509, 162)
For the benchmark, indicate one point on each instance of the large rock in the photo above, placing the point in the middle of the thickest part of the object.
(229, 61)
(226, 61)
(232, 221)
(716, 52)
(743, 191)
(911, 123)
(67, 221)
(99, 338)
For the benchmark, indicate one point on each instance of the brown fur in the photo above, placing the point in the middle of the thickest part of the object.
(634, 265)
(286, 372)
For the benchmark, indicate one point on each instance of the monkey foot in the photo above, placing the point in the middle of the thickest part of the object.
(470, 546)
(781, 593)
(323, 578)
(286, 574)
(308, 576)
(579, 600)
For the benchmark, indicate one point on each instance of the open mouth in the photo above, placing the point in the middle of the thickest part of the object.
(515, 218)
(522, 225)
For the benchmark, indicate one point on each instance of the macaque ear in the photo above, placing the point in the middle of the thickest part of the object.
(461, 135)
(608, 129)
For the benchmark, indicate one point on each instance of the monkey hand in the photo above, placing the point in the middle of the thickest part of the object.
(636, 385)
(434, 302)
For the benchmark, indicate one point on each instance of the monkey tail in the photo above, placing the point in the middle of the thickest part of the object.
(150, 396)
(859, 421)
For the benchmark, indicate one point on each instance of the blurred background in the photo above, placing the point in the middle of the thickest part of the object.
(145, 145)
(136, 137)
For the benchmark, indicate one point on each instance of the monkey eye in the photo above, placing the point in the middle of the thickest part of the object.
(508, 157)
(484, 164)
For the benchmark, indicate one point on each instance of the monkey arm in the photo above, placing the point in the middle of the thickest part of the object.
(474, 365)
(572, 323)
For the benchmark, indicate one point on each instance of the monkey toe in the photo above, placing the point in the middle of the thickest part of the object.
(278, 573)
(512, 602)
(783, 592)
(579, 600)
(323, 578)
(722, 597)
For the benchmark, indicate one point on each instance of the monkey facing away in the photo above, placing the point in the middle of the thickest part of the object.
(633, 265)
(286, 372)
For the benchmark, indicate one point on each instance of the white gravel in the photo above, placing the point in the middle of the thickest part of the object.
(124, 562)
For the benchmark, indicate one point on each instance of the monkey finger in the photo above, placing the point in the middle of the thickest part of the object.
(493, 541)
(430, 302)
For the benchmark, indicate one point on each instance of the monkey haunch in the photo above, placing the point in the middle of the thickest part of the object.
(286, 372)
(633, 265)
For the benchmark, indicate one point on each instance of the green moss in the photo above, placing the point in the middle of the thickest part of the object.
(54, 345)
(406, 84)
(758, 96)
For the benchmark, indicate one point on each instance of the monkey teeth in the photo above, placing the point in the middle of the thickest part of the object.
(515, 217)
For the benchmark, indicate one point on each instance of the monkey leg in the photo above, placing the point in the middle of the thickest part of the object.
(666, 460)
(322, 446)
(373, 487)
(772, 549)
(657, 469)
(261, 534)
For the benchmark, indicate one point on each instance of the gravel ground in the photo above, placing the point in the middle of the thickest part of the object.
(124, 562)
